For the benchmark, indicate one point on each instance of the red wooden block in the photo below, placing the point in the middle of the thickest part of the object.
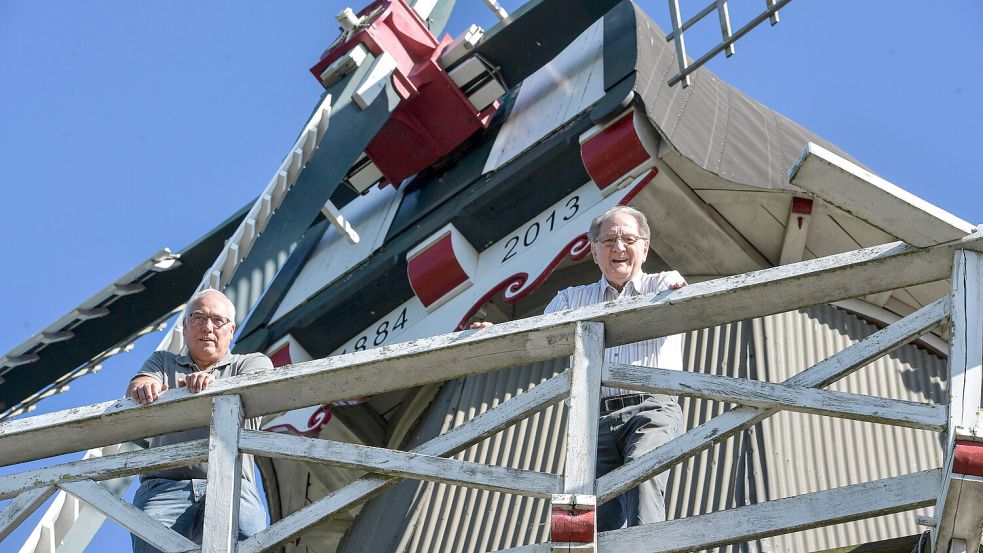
(968, 458)
(281, 356)
(613, 152)
(571, 526)
(435, 271)
(801, 205)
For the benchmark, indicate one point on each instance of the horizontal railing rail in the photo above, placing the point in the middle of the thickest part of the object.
(730, 422)
(741, 297)
(581, 334)
(770, 518)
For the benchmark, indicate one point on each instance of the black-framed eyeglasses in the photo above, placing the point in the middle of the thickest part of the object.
(198, 318)
(626, 239)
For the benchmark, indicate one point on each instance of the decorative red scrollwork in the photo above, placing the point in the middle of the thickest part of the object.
(514, 288)
(575, 251)
(318, 419)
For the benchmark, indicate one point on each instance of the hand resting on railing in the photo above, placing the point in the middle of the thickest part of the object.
(676, 283)
(146, 389)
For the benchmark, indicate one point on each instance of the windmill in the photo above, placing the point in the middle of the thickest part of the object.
(462, 226)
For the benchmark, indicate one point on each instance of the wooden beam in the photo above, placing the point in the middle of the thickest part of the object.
(221, 527)
(966, 347)
(104, 468)
(965, 382)
(968, 517)
(765, 292)
(819, 375)
(694, 533)
(585, 403)
(811, 510)
(573, 513)
(767, 395)
(947, 501)
(871, 199)
(531, 548)
(401, 463)
(409, 364)
(131, 518)
(22, 507)
(960, 518)
(406, 365)
(453, 441)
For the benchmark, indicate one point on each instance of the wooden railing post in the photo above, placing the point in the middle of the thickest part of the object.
(959, 510)
(573, 524)
(221, 532)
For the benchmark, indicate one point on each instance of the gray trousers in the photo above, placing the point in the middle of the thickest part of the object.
(623, 436)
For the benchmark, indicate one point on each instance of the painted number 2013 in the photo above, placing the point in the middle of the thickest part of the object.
(532, 232)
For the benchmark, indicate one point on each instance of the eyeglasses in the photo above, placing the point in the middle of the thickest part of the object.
(198, 318)
(626, 239)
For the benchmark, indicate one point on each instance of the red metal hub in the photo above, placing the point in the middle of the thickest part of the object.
(435, 116)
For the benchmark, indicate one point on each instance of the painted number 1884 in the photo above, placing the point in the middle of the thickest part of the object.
(382, 332)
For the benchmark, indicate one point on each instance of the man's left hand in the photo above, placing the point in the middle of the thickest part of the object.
(675, 283)
(196, 381)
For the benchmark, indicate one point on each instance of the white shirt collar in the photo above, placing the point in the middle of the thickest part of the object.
(632, 288)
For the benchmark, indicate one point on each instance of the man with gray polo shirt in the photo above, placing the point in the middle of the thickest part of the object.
(176, 497)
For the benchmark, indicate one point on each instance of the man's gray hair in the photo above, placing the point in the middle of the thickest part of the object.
(643, 225)
(207, 291)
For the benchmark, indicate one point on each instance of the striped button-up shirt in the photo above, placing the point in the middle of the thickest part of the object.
(664, 353)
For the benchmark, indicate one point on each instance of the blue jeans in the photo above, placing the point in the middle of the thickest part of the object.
(180, 505)
(623, 436)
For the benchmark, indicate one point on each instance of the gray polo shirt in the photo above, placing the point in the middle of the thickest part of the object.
(166, 367)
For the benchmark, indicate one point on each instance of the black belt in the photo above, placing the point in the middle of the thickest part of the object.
(615, 403)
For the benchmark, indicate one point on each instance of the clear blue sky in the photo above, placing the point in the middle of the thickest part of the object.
(127, 127)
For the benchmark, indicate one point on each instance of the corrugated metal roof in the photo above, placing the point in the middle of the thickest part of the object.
(785, 455)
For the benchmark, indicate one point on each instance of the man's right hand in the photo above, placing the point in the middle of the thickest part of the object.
(145, 389)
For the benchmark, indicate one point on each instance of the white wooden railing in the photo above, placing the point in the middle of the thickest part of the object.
(581, 334)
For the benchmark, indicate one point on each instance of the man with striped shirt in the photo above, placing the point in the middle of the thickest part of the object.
(631, 424)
